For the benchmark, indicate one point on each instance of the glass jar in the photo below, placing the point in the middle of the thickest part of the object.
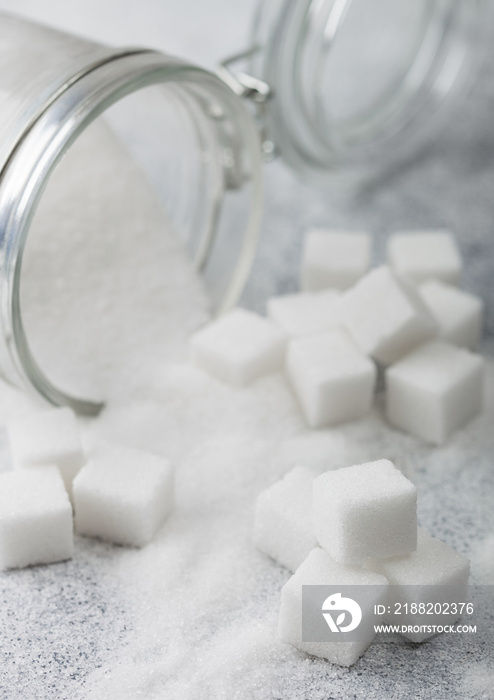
(206, 146)
(308, 81)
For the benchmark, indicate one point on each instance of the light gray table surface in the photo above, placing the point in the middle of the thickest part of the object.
(450, 185)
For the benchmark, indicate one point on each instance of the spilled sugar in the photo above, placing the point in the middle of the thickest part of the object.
(193, 615)
(215, 636)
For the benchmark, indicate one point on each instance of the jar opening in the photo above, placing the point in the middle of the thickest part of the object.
(201, 150)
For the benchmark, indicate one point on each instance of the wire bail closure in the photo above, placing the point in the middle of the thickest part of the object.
(256, 91)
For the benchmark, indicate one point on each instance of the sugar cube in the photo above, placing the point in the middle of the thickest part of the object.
(458, 314)
(48, 438)
(319, 569)
(35, 519)
(331, 378)
(239, 347)
(424, 255)
(300, 314)
(283, 523)
(435, 576)
(434, 391)
(122, 495)
(365, 511)
(334, 259)
(385, 316)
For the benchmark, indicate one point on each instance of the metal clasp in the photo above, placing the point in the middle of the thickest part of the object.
(257, 91)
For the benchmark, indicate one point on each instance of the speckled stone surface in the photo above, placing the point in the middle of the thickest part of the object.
(63, 627)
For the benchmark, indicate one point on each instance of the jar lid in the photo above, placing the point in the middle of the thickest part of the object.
(356, 85)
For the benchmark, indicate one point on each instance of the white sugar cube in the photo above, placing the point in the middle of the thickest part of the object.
(385, 316)
(458, 314)
(35, 519)
(435, 575)
(48, 438)
(434, 391)
(365, 511)
(334, 259)
(122, 495)
(301, 314)
(424, 255)
(319, 569)
(283, 524)
(331, 378)
(239, 347)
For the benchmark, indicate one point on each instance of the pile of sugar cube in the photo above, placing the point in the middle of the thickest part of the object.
(356, 526)
(120, 495)
(408, 319)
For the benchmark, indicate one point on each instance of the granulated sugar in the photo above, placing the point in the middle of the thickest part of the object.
(107, 291)
(203, 602)
(193, 615)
